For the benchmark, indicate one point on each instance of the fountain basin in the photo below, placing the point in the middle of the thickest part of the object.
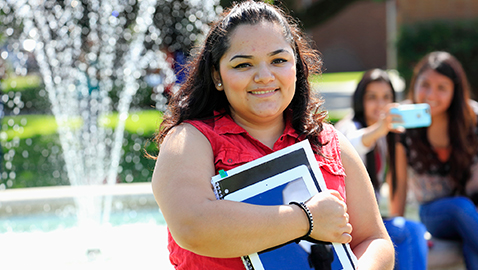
(38, 228)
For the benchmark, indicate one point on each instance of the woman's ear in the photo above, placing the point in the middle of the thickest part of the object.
(216, 78)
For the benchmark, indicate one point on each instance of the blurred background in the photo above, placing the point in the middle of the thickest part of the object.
(352, 35)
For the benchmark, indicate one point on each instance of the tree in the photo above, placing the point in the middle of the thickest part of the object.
(309, 15)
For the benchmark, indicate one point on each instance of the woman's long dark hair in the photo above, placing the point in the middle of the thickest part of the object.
(198, 98)
(373, 75)
(461, 123)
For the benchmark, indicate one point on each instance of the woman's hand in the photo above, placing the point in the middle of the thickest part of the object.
(388, 119)
(383, 126)
(331, 220)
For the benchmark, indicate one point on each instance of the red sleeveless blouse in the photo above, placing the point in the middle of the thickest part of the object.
(233, 146)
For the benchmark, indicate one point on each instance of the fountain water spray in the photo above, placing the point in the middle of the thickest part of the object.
(78, 71)
(88, 49)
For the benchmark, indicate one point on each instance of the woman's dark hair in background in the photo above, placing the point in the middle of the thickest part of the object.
(461, 123)
(198, 98)
(373, 75)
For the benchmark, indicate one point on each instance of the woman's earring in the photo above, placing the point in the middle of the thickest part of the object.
(219, 84)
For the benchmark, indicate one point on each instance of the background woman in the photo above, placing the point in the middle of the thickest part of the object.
(367, 129)
(247, 95)
(442, 157)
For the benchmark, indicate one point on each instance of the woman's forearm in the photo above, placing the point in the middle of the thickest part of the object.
(235, 229)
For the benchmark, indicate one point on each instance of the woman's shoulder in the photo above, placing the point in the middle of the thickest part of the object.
(201, 123)
(184, 142)
(183, 133)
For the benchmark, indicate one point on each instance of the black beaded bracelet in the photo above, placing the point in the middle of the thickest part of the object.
(309, 216)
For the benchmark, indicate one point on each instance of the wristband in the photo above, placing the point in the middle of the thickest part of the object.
(308, 214)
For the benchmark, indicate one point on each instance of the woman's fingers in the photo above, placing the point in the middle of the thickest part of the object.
(331, 220)
(346, 238)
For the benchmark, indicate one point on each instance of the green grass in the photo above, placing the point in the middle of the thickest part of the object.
(140, 122)
(20, 83)
(336, 115)
(337, 77)
(28, 126)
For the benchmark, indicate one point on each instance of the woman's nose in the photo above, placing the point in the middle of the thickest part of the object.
(430, 93)
(263, 74)
(382, 103)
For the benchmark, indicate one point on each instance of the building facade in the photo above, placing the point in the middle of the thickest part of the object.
(362, 36)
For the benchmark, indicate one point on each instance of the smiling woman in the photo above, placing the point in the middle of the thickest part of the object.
(370, 129)
(440, 162)
(248, 95)
(258, 75)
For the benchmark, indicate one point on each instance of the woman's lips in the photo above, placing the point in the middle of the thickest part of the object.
(262, 92)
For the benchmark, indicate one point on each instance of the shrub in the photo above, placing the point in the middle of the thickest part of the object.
(38, 162)
(456, 37)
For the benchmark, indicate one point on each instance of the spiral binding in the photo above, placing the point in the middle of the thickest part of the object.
(247, 262)
(218, 191)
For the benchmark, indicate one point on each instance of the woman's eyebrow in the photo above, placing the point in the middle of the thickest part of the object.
(240, 56)
(278, 52)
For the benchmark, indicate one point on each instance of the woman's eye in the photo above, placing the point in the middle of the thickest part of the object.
(424, 84)
(242, 65)
(443, 88)
(279, 60)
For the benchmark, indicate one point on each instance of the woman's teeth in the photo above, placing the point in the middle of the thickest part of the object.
(262, 92)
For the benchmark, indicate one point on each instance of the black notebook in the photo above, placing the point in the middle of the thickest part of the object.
(290, 174)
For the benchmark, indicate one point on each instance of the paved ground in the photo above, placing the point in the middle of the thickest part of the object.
(337, 95)
(134, 246)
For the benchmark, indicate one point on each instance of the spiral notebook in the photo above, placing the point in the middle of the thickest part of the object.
(290, 174)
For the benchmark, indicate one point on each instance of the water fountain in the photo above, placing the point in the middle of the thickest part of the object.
(92, 56)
